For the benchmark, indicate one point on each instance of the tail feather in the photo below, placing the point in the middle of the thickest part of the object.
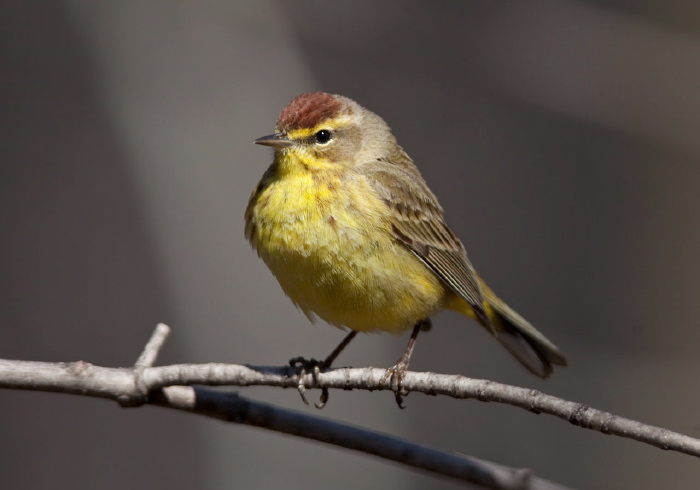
(523, 341)
(530, 347)
(525, 352)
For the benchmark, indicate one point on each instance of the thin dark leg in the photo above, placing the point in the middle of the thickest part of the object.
(331, 357)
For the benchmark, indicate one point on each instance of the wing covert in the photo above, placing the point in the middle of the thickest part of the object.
(417, 221)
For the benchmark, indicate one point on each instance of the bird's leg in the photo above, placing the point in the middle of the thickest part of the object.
(331, 357)
(316, 366)
(398, 370)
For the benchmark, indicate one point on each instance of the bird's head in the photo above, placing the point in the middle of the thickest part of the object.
(322, 130)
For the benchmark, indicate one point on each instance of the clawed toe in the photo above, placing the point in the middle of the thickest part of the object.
(315, 366)
(394, 376)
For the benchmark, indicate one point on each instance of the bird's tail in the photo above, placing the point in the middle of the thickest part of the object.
(530, 347)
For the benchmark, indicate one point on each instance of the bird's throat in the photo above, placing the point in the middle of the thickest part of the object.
(295, 161)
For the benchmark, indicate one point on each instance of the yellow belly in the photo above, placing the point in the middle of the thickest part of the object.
(329, 245)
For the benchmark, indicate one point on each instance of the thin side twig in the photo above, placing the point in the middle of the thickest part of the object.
(153, 346)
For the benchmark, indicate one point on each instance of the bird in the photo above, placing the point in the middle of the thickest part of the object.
(348, 226)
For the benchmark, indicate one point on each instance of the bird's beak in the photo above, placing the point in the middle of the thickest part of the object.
(277, 141)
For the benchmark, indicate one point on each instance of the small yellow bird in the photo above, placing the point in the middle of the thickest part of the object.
(353, 234)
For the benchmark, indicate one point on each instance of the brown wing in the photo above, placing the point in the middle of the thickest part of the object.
(418, 222)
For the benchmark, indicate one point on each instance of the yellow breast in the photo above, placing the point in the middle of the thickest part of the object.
(326, 237)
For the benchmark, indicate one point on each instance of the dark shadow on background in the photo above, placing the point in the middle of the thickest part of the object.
(79, 278)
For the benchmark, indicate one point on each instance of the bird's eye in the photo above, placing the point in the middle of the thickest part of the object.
(323, 136)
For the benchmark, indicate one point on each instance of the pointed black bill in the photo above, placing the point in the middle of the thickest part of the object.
(277, 140)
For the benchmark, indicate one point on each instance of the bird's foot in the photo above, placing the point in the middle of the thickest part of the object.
(394, 376)
(315, 366)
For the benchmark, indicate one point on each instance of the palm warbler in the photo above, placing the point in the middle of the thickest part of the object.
(354, 235)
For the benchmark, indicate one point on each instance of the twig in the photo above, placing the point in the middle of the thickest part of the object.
(233, 408)
(118, 383)
(141, 384)
(153, 346)
(135, 386)
(432, 384)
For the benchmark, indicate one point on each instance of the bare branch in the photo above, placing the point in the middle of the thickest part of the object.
(121, 384)
(233, 408)
(169, 386)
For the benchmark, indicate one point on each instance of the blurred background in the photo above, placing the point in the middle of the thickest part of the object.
(562, 140)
